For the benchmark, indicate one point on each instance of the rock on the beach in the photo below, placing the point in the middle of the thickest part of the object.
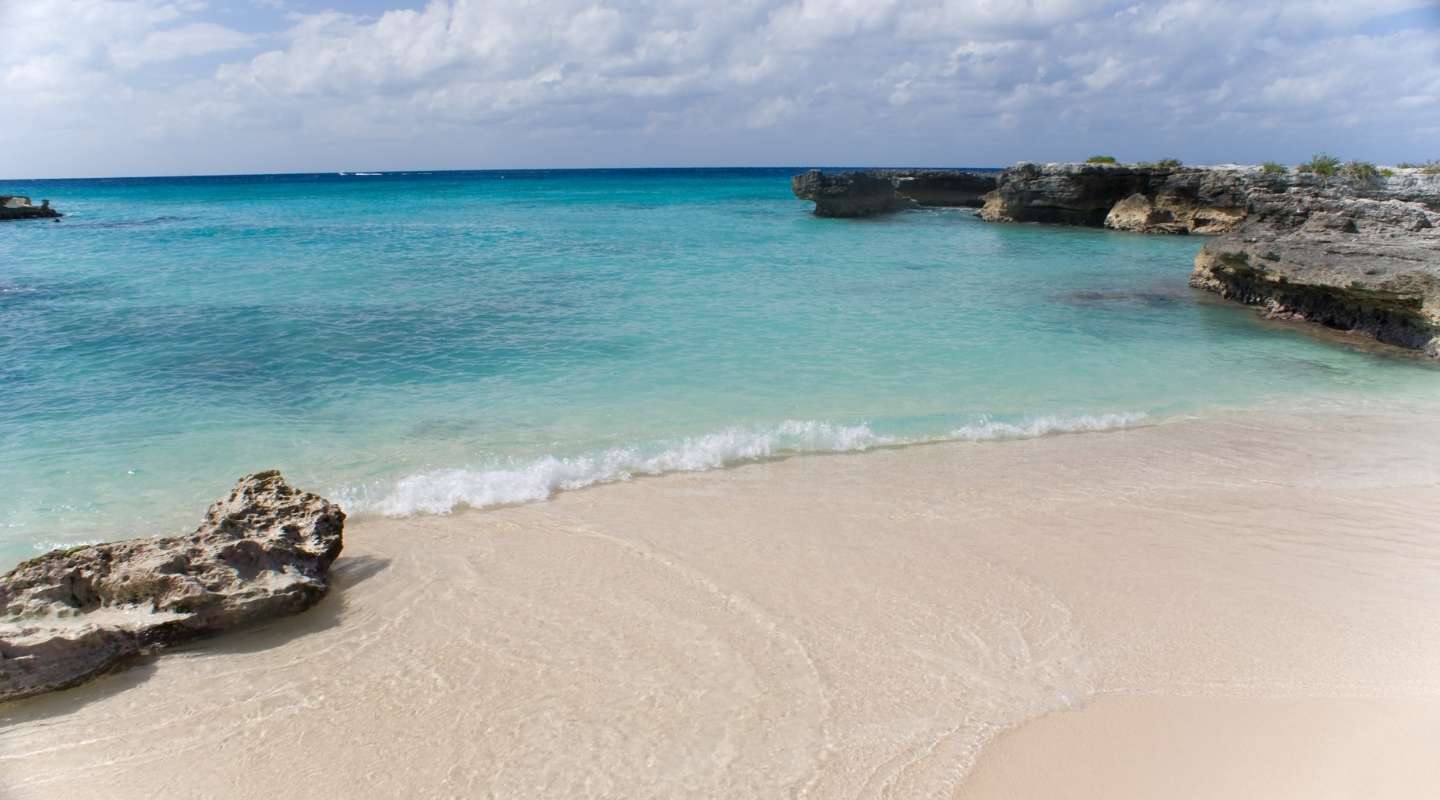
(264, 551)
(1356, 264)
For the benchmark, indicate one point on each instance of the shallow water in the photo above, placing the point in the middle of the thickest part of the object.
(417, 342)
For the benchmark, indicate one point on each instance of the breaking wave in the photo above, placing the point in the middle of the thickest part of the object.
(441, 491)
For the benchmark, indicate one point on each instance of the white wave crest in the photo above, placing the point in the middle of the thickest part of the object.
(987, 430)
(443, 490)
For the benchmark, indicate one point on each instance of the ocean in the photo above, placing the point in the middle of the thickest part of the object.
(411, 343)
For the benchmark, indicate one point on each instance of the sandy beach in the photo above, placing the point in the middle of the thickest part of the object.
(1237, 606)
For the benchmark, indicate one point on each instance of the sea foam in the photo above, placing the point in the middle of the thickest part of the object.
(441, 491)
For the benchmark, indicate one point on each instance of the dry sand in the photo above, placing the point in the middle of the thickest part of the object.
(1233, 607)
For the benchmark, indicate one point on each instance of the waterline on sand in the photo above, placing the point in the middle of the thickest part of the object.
(862, 625)
(444, 490)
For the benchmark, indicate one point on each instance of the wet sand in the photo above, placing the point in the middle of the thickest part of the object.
(1231, 607)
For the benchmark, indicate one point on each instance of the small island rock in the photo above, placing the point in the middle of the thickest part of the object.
(880, 191)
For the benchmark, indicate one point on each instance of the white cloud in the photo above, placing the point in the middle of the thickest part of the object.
(194, 39)
(571, 82)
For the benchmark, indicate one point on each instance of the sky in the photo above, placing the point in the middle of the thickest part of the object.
(181, 87)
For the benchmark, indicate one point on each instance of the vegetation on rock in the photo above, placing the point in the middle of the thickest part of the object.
(1360, 171)
(1326, 166)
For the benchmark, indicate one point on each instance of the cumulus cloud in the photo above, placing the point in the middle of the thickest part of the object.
(461, 83)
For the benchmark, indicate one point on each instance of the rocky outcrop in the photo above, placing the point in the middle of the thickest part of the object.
(1356, 254)
(1356, 264)
(945, 188)
(1142, 214)
(264, 551)
(18, 207)
(1148, 199)
(863, 194)
(848, 194)
(1166, 199)
(1068, 194)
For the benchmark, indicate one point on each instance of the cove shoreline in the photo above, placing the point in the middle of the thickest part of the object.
(1355, 249)
(864, 623)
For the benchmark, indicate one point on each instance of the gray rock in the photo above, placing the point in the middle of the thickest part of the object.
(1356, 264)
(848, 194)
(945, 188)
(1068, 194)
(19, 207)
(871, 192)
(264, 551)
(1160, 199)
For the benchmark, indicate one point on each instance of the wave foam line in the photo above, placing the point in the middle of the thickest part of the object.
(986, 430)
(443, 490)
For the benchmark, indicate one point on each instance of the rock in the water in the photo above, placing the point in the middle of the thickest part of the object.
(864, 194)
(1175, 199)
(18, 207)
(1069, 194)
(848, 194)
(945, 188)
(264, 551)
(1354, 264)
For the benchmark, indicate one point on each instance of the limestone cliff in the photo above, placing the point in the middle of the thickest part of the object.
(1357, 264)
(1164, 199)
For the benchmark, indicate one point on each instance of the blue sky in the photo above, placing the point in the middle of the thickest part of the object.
(157, 87)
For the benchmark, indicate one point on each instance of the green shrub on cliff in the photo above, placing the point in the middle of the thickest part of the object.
(1427, 168)
(1387, 173)
(1360, 171)
(1321, 164)
(1272, 168)
(1164, 163)
(1101, 160)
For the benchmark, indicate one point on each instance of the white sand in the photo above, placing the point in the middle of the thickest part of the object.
(1239, 607)
(1187, 748)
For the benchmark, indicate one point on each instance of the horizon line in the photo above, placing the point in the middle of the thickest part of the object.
(414, 171)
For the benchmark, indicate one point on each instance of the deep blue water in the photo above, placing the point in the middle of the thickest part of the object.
(420, 341)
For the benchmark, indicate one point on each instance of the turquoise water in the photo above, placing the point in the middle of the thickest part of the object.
(418, 342)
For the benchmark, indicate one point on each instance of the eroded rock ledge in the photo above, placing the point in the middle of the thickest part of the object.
(70, 615)
(1356, 264)
(1164, 199)
(871, 192)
